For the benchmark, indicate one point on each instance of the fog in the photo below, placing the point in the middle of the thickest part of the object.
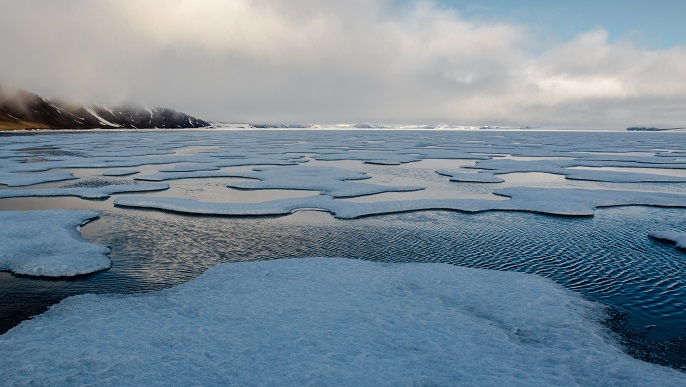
(307, 61)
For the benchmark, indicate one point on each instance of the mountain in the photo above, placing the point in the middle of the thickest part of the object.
(20, 109)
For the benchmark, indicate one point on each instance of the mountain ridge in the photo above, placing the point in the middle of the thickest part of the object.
(20, 109)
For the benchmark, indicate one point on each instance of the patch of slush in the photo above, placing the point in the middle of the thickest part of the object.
(48, 243)
(553, 201)
(94, 192)
(678, 238)
(326, 321)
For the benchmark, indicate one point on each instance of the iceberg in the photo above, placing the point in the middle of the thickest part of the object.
(48, 243)
(328, 321)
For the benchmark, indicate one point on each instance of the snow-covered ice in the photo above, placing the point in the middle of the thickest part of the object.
(677, 237)
(84, 192)
(326, 321)
(48, 243)
(336, 182)
(480, 177)
(553, 201)
(120, 172)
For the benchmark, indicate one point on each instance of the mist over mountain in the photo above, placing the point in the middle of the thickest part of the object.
(20, 109)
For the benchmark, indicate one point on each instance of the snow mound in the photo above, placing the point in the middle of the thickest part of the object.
(679, 238)
(48, 243)
(326, 321)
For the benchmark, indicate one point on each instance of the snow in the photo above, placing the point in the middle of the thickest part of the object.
(565, 167)
(553, 201)
(47, 243)
(84, 192)
(481, 177)
(101, 120)
(679, 238)
(120, 172)
(328, 180)
(327, 321)
(25, 179)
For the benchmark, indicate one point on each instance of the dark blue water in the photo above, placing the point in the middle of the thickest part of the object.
(608, 258)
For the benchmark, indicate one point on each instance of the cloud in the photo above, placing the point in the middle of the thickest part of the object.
(324, 61)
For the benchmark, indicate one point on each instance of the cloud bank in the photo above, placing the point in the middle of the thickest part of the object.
(304, 61)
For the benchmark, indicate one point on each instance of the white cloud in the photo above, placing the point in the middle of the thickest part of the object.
(324, 61)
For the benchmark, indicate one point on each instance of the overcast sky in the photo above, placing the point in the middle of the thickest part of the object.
(536, 63)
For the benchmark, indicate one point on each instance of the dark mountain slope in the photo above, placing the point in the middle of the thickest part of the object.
(23, 110)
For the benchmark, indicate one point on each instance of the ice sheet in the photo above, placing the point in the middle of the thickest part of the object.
(47, 243)
(326, 321)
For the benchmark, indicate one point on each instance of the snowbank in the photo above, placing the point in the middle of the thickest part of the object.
(325, 321)
(48, 243)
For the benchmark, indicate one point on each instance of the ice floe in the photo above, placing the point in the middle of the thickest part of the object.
(678, 238)
(120, 172)
(48, 243)
(480, 177)
(331, 181)
(326, 321)
(553, 201)
(97, 192)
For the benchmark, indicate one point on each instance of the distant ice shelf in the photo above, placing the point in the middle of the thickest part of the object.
(48, 243)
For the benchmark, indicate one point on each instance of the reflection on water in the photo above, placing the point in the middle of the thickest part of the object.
(608, 258)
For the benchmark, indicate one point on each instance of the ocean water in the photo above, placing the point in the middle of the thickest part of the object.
(607, 258)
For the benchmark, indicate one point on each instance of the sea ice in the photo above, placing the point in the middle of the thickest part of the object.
(331, 181)
(679, 238)
(120, 172)
(84, 192)
(327, 321)
(553, 201)
(480, 177)
(48, 243)
(25, 179)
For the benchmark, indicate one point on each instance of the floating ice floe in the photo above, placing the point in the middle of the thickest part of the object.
(553, 201)
(565, 167)
(26, 179)
(120, 172)
(102, 192)
(48, 243)
(327, 321)
(480, 177)
(678, 238)
(331, 181)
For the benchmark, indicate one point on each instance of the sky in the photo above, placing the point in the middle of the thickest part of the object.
(576, 64)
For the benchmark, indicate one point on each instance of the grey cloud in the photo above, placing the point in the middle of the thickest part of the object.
(326, 61)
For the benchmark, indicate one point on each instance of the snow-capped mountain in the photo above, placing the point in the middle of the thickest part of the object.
(24, 110)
